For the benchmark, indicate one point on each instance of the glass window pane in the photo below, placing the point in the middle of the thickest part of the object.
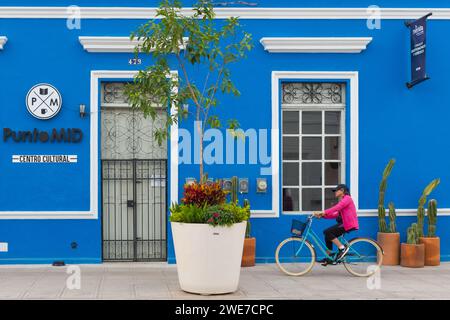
(312, 122)
(312, 174)
(290, 148)
(333, 122)
(311, 199)
(290, 199)
(290, 122)
(330, 199)
(312, 148)
(332, 148)
(291, 174)
(332, 173)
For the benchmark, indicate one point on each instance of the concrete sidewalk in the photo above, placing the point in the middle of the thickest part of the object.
(265, 281)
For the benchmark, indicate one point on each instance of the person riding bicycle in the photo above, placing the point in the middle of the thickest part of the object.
(347, 220)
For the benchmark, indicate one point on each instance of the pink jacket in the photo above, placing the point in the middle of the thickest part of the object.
(347, 209)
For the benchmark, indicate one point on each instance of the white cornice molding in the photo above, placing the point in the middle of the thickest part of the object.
(112, 44)
(315, 44)
(223, 13)
(3, 40)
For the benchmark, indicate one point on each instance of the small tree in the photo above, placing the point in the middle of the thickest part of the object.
(195, 41)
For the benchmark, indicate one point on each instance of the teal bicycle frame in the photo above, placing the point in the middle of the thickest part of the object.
(309, 233)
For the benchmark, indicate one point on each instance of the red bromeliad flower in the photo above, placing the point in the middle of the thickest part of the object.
(200, 194)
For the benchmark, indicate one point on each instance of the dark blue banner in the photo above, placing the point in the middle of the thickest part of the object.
(418, 30)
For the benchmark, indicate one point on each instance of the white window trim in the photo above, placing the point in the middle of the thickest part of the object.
(3, 41)
(315, 44)
(352, 92)
(92, 213)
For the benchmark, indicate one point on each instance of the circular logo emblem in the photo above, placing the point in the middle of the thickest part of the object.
(43, 101)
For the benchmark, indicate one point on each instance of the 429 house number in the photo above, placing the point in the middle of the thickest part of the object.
(134, 61)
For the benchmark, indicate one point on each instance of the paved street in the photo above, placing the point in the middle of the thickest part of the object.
(159, 281)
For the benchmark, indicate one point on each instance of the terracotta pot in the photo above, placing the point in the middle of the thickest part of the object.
(390, 243)
(248, 255)
(432, 250)
(412, 255)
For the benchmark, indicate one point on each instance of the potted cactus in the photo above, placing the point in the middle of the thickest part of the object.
(413, 252)
(422, 201)
(248, 255)
(249, 251)
(431, 241)
(388, 238)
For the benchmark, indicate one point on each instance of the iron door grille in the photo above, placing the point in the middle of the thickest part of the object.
(134, 209)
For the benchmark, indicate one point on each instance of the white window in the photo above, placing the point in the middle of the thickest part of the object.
(313, 144)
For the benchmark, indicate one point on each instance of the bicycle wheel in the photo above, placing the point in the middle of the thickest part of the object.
(292, 261)
(364, 257)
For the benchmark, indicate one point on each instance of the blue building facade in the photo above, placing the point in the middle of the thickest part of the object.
(323, 90)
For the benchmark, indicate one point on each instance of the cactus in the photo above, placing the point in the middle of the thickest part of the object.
(381, 219)
(412, 234)
(420, 217)
(234, 189)
(432, 218)
(248, 229)
(422, 200)
(392, 217)
(381, 209)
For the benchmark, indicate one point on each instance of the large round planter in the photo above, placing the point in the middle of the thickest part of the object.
(432, 250)
(412, 255)
(390, 243)
(208, 258)
(248, 255)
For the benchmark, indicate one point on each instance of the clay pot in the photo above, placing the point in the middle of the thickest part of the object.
(432, 250)
(248, 255)
(390, 243)
(412, 255)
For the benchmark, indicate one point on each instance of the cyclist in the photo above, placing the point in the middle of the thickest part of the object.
(345, 214)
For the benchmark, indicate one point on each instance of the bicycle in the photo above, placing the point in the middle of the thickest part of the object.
(296, 255)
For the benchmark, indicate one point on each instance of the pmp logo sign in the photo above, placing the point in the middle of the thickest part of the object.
(44, 101)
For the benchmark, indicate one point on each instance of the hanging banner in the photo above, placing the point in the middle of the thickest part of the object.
(418, 30)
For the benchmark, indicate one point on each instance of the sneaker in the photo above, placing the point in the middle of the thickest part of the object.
(341, 253)
(325, 261)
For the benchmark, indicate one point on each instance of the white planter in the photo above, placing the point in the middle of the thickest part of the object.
(208, 258)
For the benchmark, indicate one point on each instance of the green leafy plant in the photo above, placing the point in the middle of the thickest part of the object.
(225, 214)
(200, 47)
(432, 218)
(188, 213)
(422, 200)
(382, 227)
(412, 234)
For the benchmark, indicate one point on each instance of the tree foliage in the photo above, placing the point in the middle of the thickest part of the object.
(200, 45)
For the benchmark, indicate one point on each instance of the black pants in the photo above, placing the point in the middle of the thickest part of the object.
(334, 232)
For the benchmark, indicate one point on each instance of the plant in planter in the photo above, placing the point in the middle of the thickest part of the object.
(431, 241)
(412, 253)
(388, 238)
(249, 252)
(422, 201)
(208, 233)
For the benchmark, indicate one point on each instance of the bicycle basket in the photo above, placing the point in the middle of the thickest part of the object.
(297, 228)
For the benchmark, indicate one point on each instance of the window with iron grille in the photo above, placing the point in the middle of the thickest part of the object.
(313, 144)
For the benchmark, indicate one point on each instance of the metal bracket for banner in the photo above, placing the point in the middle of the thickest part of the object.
(408, 23)
(411, 84)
